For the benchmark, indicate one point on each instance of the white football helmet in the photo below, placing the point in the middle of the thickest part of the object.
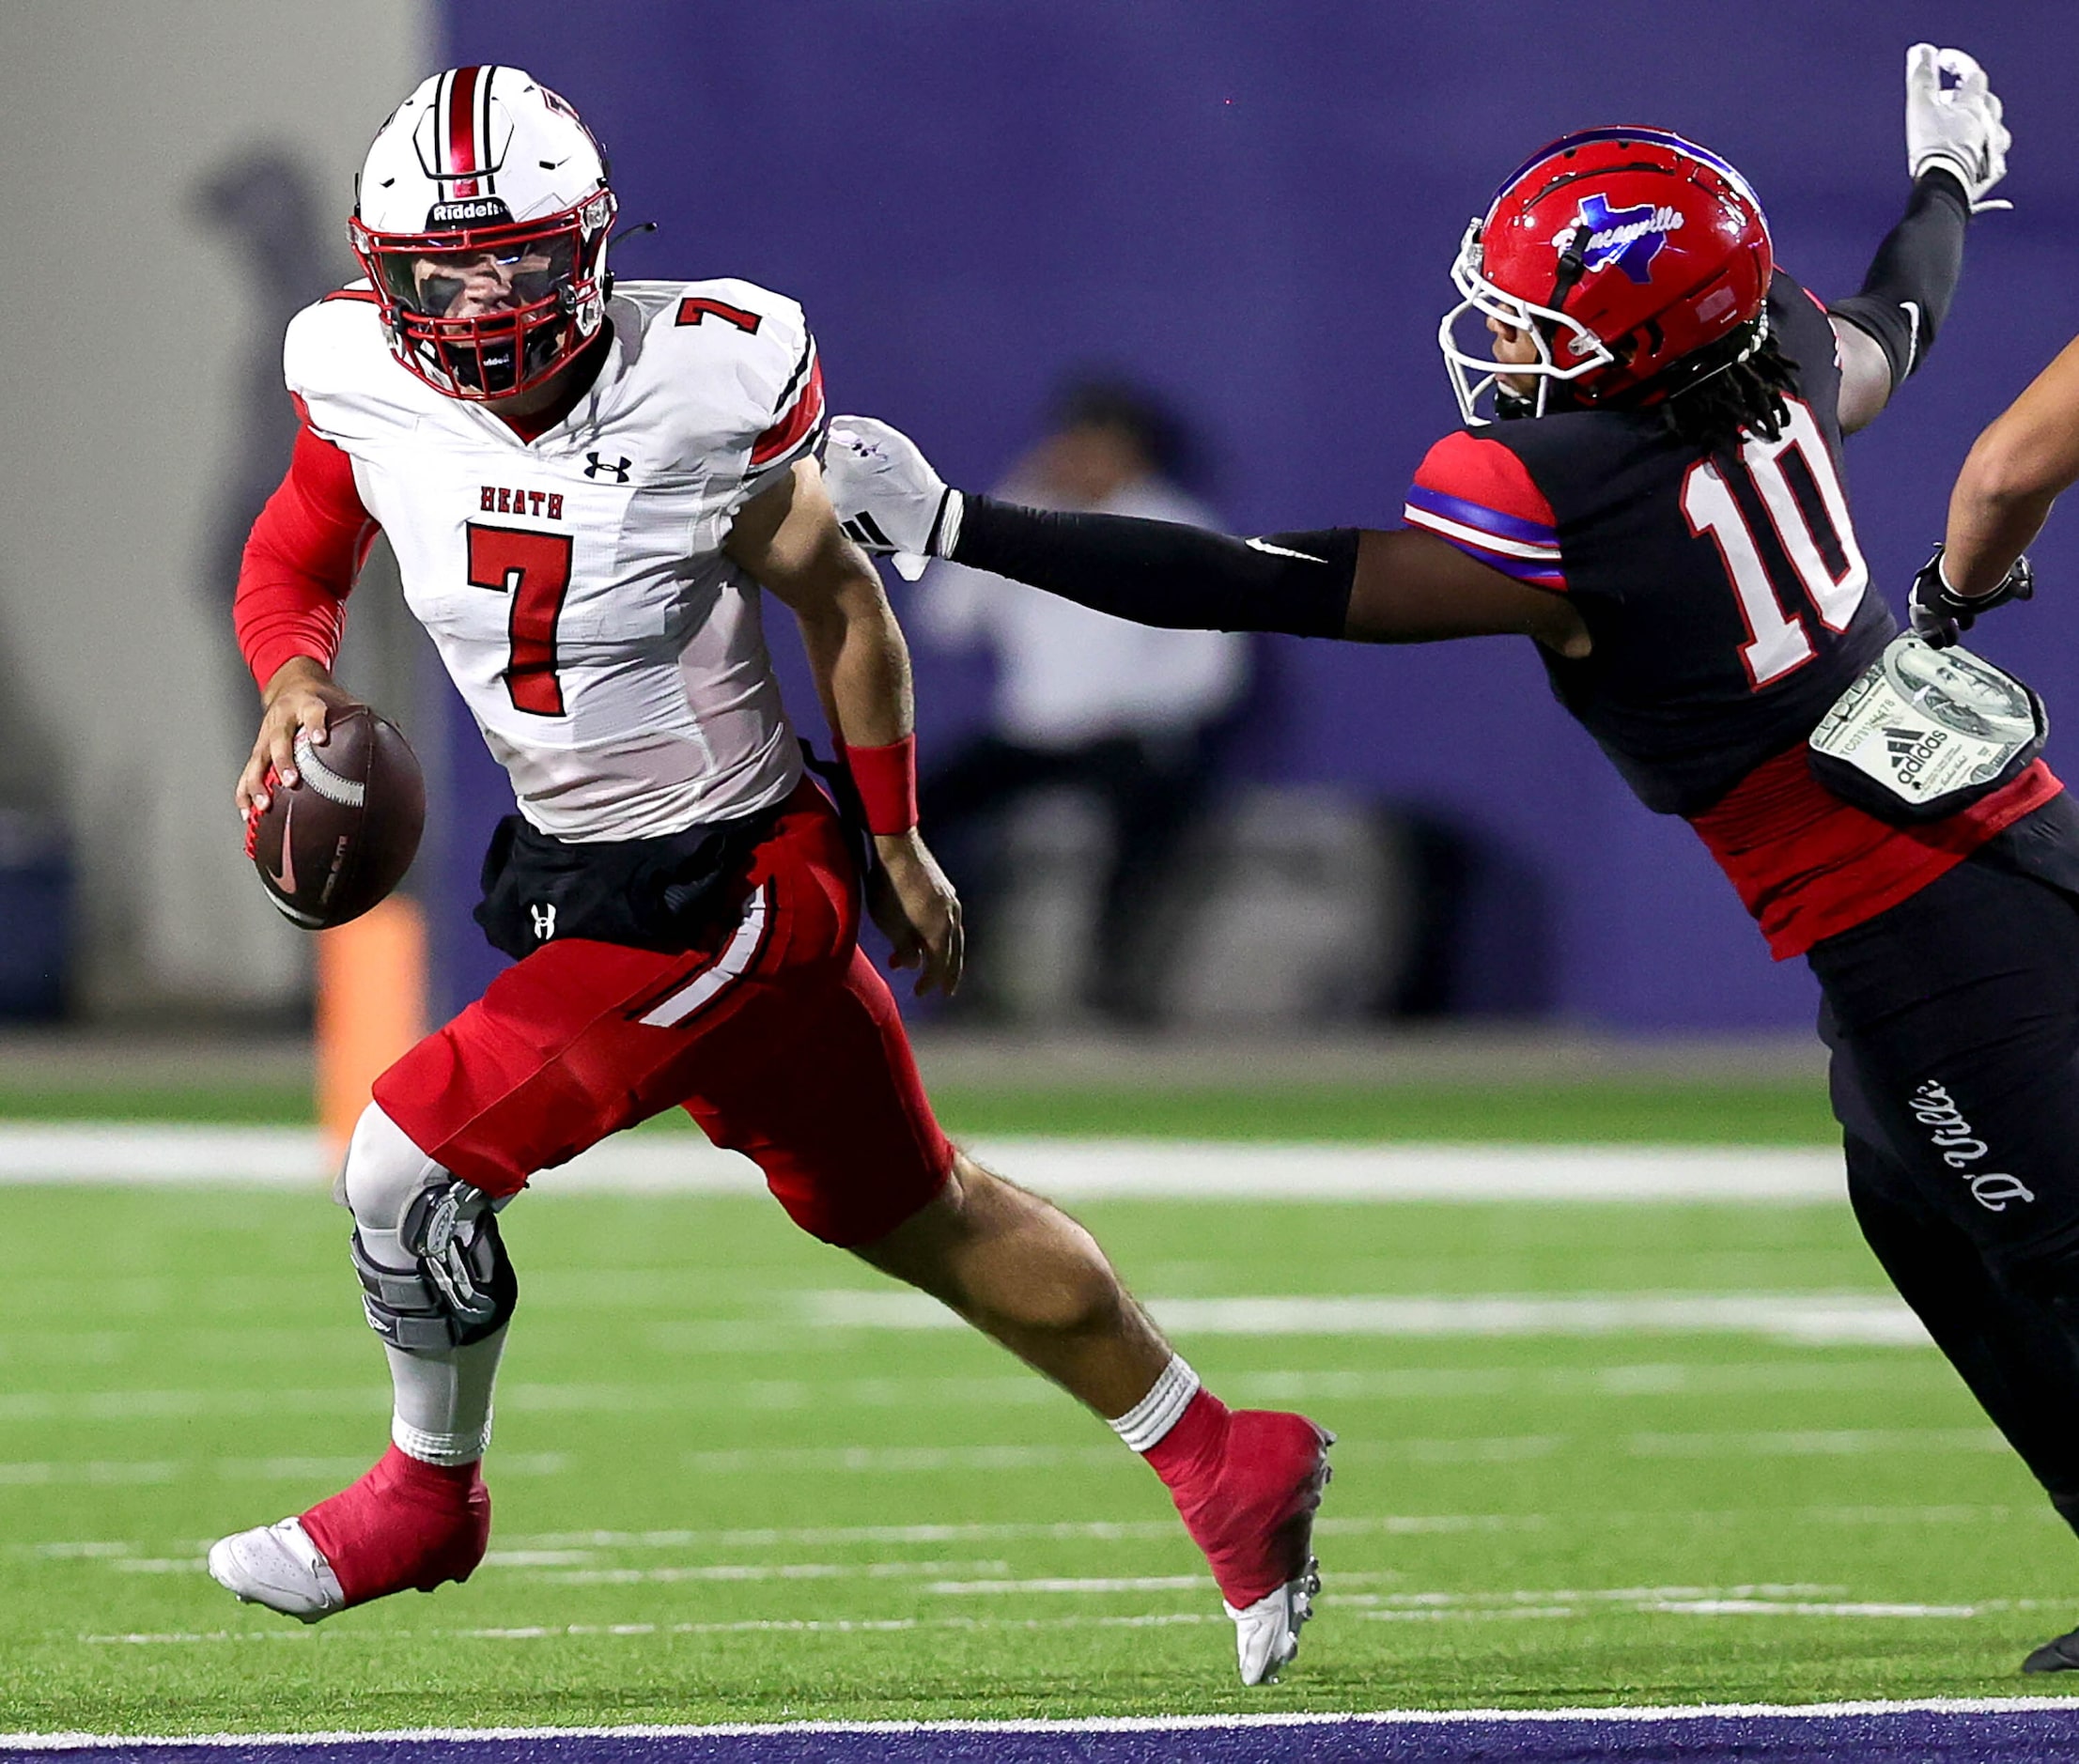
(481, 217)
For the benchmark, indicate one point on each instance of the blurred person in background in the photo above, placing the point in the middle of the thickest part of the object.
(1129, 716)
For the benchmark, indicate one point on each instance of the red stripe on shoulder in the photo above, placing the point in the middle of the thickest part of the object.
(1814, 298)
(800, 421)
(1475, 470)
(367, 294)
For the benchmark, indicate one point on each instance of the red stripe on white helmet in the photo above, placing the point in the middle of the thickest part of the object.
(460, 128)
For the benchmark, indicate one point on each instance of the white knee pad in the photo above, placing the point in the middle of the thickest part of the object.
(434, 1272)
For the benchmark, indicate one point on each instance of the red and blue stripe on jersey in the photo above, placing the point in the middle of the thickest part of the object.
(1476, 495)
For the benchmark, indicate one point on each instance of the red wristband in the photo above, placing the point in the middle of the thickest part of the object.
(886, 778)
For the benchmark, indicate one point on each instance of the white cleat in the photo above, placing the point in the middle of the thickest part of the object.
(278, 1565)
(1266, 1633)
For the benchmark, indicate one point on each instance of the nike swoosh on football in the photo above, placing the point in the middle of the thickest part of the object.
(286, 880)
(1280, 551)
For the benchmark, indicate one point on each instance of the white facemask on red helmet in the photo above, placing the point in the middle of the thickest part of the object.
(1634, 261)
(481, 216)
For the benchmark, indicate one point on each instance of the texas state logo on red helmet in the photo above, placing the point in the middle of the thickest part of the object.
(1635, 262)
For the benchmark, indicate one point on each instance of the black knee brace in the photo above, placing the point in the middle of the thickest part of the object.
(462, 1286)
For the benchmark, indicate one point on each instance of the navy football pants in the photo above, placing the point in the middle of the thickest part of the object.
(1954, 1022)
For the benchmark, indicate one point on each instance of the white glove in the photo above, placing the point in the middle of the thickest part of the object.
(1958, 128)
(887, 496)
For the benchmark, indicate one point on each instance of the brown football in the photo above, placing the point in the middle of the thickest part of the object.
(341, 838)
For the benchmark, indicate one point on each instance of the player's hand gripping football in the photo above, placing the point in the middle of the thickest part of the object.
(887, 496)
(1958, 128)
(917, 910)
(300, 699)
(1940, 615)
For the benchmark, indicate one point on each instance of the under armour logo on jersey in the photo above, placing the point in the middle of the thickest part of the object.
(544, 917)
(1629, 238)
(597, 467)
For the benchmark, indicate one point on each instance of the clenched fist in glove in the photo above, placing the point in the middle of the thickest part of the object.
(1940, 615)
(887, 496)
(1955, 128)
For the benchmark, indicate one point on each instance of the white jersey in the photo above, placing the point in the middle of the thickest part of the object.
(575, 584)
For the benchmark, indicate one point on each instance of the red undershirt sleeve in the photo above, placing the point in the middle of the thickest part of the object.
(300, 563)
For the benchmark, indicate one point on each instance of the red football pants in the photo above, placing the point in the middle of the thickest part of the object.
(778, 1037)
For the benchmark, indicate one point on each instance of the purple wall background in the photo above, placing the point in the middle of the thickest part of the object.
(1253, 207)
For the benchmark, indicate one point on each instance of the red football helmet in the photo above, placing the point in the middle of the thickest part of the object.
(1636, 261)
(481, 219)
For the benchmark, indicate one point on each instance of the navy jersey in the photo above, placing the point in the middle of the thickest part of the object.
(1729, 605)
(1726, 594)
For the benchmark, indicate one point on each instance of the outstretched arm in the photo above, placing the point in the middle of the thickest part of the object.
(1401, 587)
(1956, 152)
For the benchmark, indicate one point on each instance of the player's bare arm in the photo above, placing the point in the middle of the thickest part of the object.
(1410, 587)
(789, 540)
(299, 699)
(2016, 470)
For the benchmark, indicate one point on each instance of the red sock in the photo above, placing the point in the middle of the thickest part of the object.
(405, 1524)
(1245, 1482)
(1191, 1451)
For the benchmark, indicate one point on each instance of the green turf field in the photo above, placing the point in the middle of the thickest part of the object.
(1663, 1113)
(714, 1502)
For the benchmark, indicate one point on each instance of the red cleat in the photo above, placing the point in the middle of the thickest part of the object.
(405, 1524)
(1246, 1484)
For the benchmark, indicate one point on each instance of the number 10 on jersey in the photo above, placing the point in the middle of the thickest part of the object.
(1813, 532)
(533, 568)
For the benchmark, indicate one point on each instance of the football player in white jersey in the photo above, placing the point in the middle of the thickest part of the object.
(587, 485)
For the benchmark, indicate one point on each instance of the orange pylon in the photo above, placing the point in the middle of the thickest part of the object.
(371, 1007)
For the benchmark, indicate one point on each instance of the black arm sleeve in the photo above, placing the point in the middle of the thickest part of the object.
(1156, 573)
(1906, 294)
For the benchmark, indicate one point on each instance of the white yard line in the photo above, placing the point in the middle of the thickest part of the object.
(753, 1573)
(578, 1548)
(113, 1473)
(1649, 1380)
(1188, 1723)
(172, 1155)
(1523, 1607)
(1651, 1715)
(1499, 1449)
(935, 1460)
(1803, 1318)
(901, 1461)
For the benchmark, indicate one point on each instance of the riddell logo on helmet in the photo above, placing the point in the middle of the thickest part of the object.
(1629, 238)
(463, 214)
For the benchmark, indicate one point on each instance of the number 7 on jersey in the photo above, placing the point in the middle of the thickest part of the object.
(533, 568)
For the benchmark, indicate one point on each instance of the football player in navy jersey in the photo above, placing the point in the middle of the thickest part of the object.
(1648, 485)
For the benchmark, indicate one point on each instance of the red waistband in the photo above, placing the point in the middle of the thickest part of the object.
(1808, 865)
